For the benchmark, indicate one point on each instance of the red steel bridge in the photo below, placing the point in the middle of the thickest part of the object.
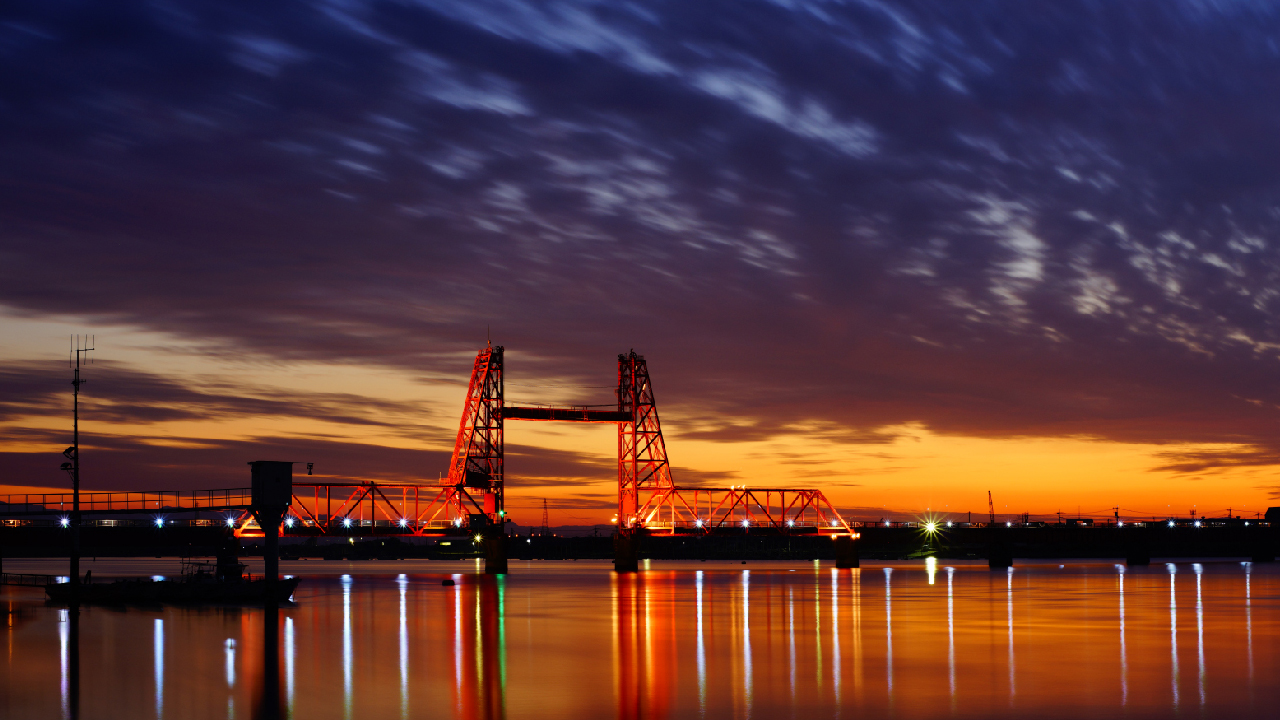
(472, 497)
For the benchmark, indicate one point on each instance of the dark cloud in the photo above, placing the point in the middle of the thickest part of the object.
(115, 393)
(994, 219)
(1202, 461)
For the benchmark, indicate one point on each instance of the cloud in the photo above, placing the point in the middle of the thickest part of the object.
(839, 219)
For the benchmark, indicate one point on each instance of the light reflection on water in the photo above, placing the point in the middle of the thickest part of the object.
(681, 640)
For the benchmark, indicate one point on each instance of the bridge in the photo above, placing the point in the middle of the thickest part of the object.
(471, 499)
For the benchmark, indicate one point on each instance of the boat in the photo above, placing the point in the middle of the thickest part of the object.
(201, 582)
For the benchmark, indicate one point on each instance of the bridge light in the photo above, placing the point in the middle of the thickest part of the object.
(403, 522)
(886, 523)
(1170, 523)
(698, 522)
(1197, 523)
(159, 522)
(65, 522)
(948, 523)
(231, 522)
(931, 527)
(791, 523)
(746, 523)
(1008, 524)
(288, 522)
(457, 522)
(1119, 523)
(346, 522)
(478, 538)
(835, 523)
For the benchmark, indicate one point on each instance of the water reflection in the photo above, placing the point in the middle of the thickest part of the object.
(403, 582)
(702, 653)
(1124, 655)
(951, 636)
(347, 658)
(1173, 628)
(64, 661)
(157, 642)
(1009, 606)
(888, 632)
(706, 642)
(290, 652)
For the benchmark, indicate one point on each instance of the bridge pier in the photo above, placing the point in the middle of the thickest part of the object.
(1000, 552)
(846, 552)
(1137, 546)
(1262, 544)
(626, 552)
(494, 543)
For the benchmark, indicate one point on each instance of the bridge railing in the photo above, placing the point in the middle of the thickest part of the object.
(125, 502)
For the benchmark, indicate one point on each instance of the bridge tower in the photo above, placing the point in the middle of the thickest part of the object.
(476, 467)
(642, 453)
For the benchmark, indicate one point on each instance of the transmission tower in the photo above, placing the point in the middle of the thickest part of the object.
(546, 523)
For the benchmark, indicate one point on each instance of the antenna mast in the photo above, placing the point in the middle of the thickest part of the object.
(991, 509)
(80, 348)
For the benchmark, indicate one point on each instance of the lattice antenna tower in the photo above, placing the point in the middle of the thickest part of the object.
(546, 521)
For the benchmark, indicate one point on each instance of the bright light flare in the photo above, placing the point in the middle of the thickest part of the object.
(159, 522)
(931, 527)
(404, 522)
(288, 522)
(65, 522)
(346, 522)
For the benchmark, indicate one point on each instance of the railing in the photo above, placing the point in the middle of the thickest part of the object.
(29, 580)
(126, 502)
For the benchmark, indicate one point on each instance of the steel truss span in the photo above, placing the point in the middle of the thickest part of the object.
(473, 495)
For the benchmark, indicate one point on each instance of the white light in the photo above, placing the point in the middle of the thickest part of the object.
(159, 522)
(746, 523)
(346, 522)
(886, 523)
(1197, 523)
(1008, 524)
(1119, 523)
(698, 522)
(1170, 523)
(288, 522)
(834, 523)
(403, 522)
(1246, 523)
(948, 523)
(791, 523)
(931, 527)
(66, 522)
(157, 578)
(231, 522)
(529, 540)
(457, 522)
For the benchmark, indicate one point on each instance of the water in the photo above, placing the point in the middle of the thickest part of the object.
(683, 640)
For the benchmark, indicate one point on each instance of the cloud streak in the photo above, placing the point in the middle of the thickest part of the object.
(983, 218)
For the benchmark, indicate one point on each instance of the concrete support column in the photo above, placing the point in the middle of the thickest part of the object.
(626, 552)
(1137, 545)
(846, 552)
(495, 550)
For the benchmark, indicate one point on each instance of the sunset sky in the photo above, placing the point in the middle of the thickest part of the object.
(903, 252)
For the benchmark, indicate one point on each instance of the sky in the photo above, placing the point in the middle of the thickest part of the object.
(903, 252)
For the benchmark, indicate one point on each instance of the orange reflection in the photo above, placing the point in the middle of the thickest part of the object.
(644, 625)
(479, 640)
